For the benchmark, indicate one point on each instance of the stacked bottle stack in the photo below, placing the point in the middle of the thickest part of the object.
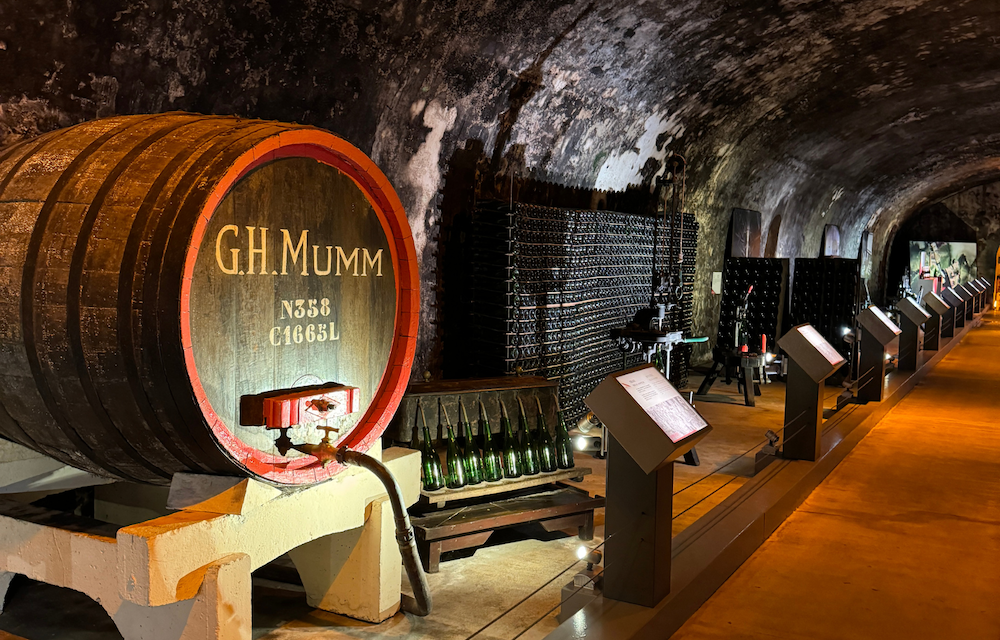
(548, 285)
(769, 278)
(526, 450)
(825, 293)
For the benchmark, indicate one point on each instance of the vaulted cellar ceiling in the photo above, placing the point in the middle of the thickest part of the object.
(849, 113)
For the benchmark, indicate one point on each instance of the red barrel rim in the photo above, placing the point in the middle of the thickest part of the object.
(335, 152)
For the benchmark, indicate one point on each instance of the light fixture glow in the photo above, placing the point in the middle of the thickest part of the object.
(888, 356)
(581, 552)
(845, 330)
(581, 443)
(769, 357)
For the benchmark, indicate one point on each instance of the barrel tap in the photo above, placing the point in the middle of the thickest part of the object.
(284, 409)
(324, 452)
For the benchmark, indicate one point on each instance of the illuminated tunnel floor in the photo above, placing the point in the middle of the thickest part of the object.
(902, 540)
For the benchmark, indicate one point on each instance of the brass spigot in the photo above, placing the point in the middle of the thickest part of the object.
(324, 452)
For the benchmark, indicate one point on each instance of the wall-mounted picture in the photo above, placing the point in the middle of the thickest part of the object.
(953, 262)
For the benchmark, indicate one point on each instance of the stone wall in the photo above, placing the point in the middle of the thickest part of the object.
(979, 207)
(851, 113)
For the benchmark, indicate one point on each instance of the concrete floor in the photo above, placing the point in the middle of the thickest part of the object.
(470, 591)
(902, 540)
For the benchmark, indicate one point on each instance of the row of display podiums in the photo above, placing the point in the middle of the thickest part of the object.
(811, 360)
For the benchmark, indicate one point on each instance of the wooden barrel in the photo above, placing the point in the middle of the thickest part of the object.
(156, 270)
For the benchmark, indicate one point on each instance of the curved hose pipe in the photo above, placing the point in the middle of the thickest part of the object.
(420, 603)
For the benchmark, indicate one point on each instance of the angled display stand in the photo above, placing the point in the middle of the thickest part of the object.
(965, 293)
(970, 302)
(985, 284)
(911, 317)
(957, 304)
(811, 360)
(877, 331)
(987, 292)
(650, 426)
(934, 327)
(976, 288)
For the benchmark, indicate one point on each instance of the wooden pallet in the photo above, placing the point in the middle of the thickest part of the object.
(471, 525)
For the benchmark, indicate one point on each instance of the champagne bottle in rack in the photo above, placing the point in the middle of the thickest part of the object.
(430, 462)
(492, 459)
(527, 441)
(470, 452)
(513, 458)
(546, 448)
(564, 446)
(454, 464)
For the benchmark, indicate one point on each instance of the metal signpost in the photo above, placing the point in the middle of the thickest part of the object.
(911, 317)
(650, 425)
(877, 331)
(957, 304)
(941, 313)
(811, 360)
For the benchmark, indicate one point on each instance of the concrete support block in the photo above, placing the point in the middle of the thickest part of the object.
(83, 561)
(220, 611)
(355, 573)
(186, 576)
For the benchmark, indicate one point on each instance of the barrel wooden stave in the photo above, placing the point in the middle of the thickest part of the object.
(69, 389)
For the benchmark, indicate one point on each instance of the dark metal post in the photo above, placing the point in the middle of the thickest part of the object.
(932, 331)
(638, 521)
(803, 415)
(907, 358)
(948, 323)
(957, 312)
(871, 369)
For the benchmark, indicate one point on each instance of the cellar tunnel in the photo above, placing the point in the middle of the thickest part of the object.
(165, 164)
(855, 114)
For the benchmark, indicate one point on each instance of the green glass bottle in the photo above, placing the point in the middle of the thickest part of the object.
(492, 459)
(455, 467)
(546, 448)
(513, 457)
(527, 441)
(470, 452)
(564, 446)
(430, 462)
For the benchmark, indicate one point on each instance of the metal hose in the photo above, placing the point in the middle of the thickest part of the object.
(420, 603)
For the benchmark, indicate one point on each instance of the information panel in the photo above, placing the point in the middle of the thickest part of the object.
(913, 311)
(658, 398)
(646, 416)
(878, 325)
(936, 303)
(820, 344)
(811, 352)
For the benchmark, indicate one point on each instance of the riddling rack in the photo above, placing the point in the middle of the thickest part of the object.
(548, 284)
(826, 294)
(769, 279)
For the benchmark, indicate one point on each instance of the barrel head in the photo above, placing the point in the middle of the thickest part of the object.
(294, 286)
